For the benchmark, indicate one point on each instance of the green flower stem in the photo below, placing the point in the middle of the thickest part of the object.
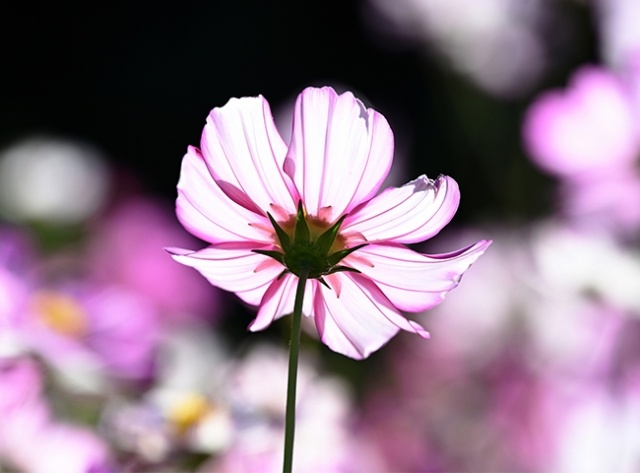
(290, 420)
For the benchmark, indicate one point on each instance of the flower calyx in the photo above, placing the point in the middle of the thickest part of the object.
(301, 252)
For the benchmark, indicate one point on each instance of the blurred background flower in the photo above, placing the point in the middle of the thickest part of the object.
(113, 358)
(51, 180)
(502, 45)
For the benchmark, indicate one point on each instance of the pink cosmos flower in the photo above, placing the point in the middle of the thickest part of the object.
(76, 325)
(98, 328)
(268, 209)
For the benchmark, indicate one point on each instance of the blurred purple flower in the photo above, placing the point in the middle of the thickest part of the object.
(22, 410)
(340, 153)
(442, 413)
(255, 391)
(600, 430)
(183, 410)
(127, 249)
(499, 44)
(496, 389)
(620, 36)
(233, 409)
(568, 292)
(16, 249)
(94, 328)
(20, 385)
(75, 324)
(13, 301)
(588, 136)
(67, 448)
(589, 128)
(27, 425)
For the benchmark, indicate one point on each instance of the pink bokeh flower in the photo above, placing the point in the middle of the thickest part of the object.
(126, 250)
(83, 328)
(13, 296)
(98, 329)
(588, 137)
(31, 439)
(588, 128)
(245, 191)
(254, 388)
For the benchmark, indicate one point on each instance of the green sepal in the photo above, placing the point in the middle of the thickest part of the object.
(325, 241)
(285, 241)
(301, 233)
(342, 269)
(281, 275)
(336, 257)
(276, 255)
(323, 282)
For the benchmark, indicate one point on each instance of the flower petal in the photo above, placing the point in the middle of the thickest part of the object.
(279, 300)
(413, 281)
(340, 151)
(233, 268)
(276, 302)
(360, 320)
(207, 212)
(245, 153)
(408, 214)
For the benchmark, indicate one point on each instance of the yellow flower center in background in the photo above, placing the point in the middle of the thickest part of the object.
(61, 313)
(189, 410)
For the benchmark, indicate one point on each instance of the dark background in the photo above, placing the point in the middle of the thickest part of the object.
(138, 79)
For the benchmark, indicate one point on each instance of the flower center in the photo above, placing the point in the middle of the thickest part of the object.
(61, 313)
(317, 227)
(189, 410)
(310, 245)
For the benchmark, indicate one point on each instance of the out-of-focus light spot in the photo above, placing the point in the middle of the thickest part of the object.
(577, 263)
(214, 432)
(619, 24)
(52, 181)
(497, 43)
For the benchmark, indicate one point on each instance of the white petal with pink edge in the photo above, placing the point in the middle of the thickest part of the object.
(279, 300)
(233, 267)
(360, 319)
(413, 281)
(408, 214)
(206, 211)
(340, 151)
(245, 154)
